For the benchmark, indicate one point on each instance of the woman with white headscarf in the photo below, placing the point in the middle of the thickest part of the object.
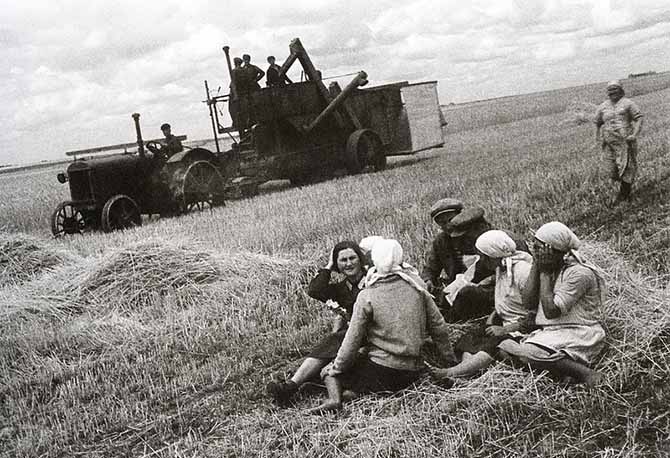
(569, 292)
(509, 319)
(393, 315)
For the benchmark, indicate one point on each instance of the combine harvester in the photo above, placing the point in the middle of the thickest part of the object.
(302, 131)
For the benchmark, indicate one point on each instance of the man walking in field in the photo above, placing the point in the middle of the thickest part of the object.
(619, 120)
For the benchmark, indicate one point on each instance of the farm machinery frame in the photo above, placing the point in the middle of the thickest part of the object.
(301, 131)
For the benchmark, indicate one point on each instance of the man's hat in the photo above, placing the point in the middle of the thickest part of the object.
(444, 206)
(462, 222)
(246, 57)
(165, 126)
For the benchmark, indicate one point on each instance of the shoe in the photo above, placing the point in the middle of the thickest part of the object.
(282, 392)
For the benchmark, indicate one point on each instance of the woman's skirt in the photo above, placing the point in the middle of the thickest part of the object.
(328, 346)
(366, 376)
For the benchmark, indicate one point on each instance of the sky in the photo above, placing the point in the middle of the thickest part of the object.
(73, 71)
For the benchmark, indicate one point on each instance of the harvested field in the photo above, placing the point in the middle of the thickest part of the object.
(158, 341)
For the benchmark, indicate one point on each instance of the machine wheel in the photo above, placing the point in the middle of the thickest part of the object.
(67, 219)
(363, 148)
(302, 179)
(201, 187)
(376, 155)
(120, 212)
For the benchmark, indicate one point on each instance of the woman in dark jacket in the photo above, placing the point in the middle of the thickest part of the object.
(348, 260)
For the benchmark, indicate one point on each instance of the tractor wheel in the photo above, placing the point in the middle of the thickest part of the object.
(198, 186)
(67, 219)
(120, 212)
(364, 148)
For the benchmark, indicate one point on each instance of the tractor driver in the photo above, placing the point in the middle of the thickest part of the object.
(171, 145)
(168, 147)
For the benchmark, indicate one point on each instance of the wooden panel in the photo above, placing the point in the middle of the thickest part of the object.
(423, 114)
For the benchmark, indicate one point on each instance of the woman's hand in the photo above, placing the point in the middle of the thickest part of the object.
(544, 257)
(330, 265)
(495, 331)
(338, 324)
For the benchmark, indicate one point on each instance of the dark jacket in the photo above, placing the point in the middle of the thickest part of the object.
(172, 145)
(272, 76)
(446, 253)
(343, 292)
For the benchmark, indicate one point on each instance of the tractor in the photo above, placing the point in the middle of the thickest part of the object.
(112, 192)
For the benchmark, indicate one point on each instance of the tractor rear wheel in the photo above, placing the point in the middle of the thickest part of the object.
(120, 212)
(67, 219)
(199, 186)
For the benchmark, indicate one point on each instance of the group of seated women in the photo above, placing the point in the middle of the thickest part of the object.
(546, 305)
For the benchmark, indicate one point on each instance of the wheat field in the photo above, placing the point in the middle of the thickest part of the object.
(158, 341)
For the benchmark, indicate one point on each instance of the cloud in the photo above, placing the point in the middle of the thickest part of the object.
(77, 69)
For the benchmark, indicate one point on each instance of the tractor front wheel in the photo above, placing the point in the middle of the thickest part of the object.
(120, 212)
(67, 219)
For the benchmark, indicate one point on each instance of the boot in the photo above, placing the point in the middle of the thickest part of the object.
(624, 192)
(282, 392)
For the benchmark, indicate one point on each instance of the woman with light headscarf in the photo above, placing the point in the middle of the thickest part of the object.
(393, 315)
(618, 124)
(498, 252)
(569, 292)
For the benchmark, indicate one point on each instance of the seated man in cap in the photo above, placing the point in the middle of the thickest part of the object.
(453, 251)
(451, 262)
(440, 258)
(470, 293)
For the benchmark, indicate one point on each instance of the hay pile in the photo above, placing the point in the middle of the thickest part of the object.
(136, 273)
(23, 257)
(151, 273)
(579, 112)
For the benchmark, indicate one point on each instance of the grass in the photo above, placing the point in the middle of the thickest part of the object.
(169, 355)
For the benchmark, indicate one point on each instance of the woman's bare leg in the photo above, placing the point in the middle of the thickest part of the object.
(309, 369)
(334, 401)
(570, 368)
(470, 365)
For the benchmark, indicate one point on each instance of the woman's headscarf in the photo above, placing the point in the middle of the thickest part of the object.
(499, 245)
(387, 257)
(560, 237)
(347, 244)
(368, 242)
